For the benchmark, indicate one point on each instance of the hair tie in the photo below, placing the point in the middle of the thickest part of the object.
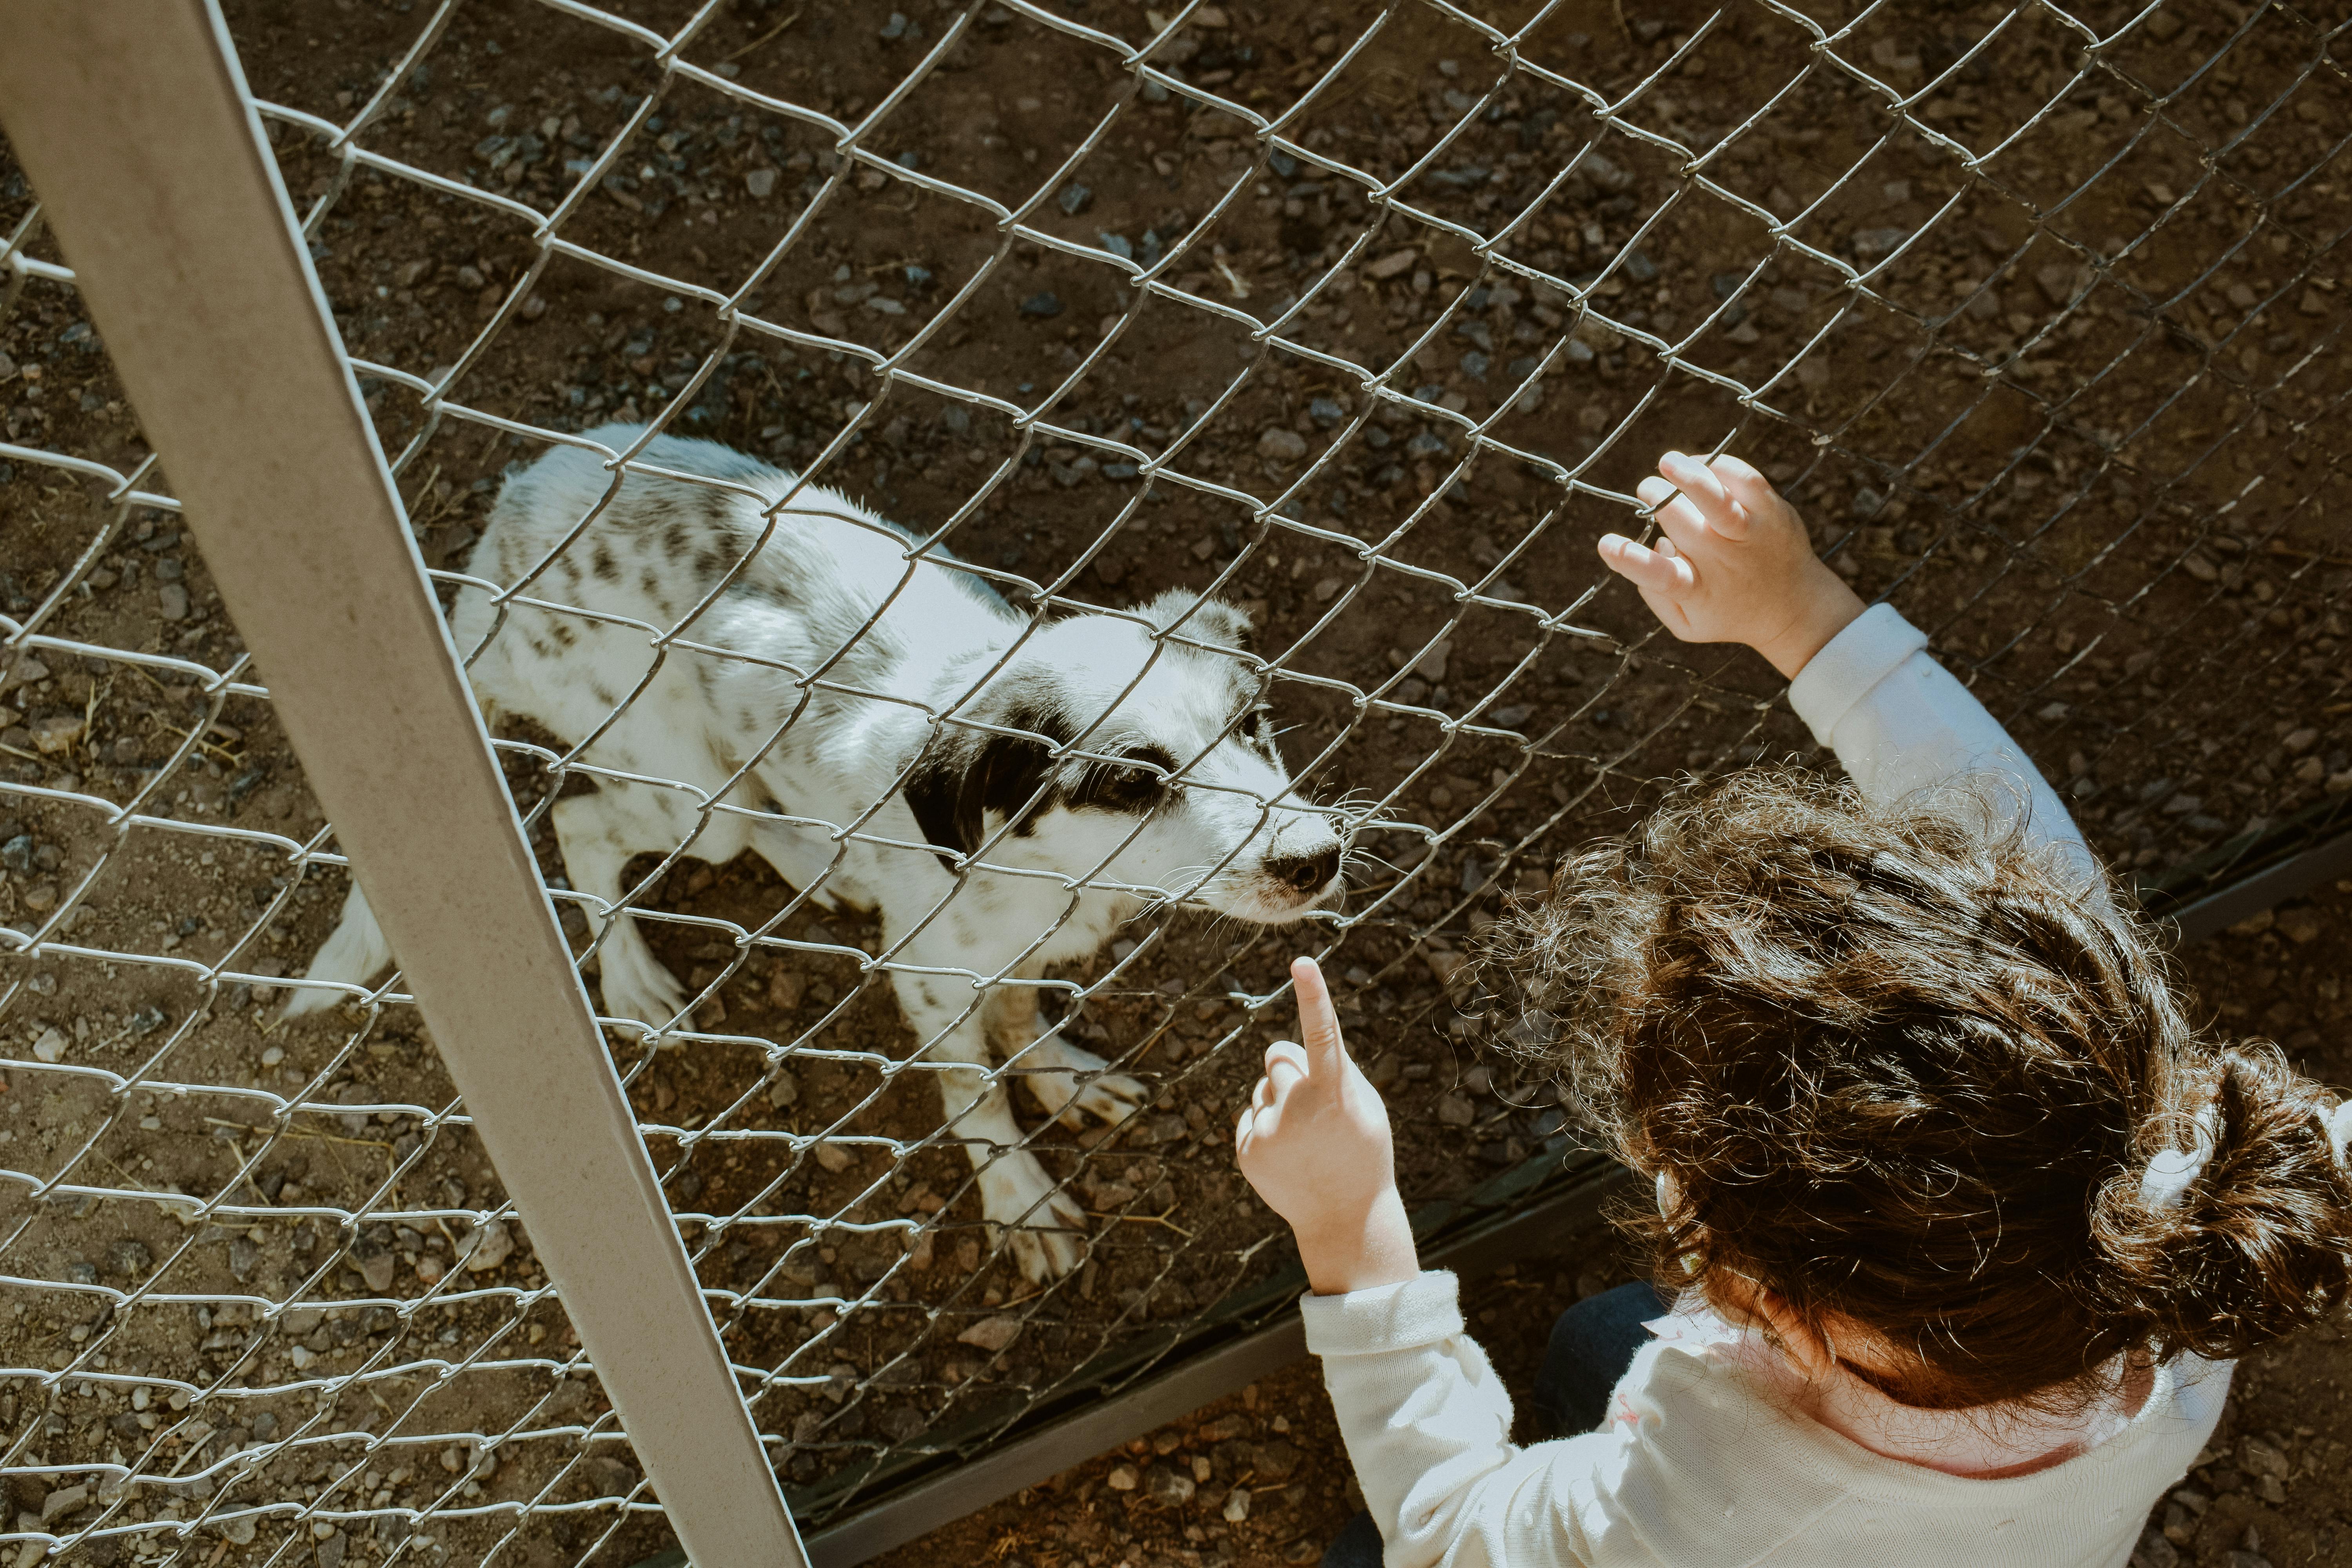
(2172, 1171)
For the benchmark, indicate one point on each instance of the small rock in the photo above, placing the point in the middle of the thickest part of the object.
(1122, 1478)
(62, 1502)
(2155, 1551)
(1455, 1110)
(760, 183)
(128, 1259)
(51, 1046)
(57, 734)
(1282, 445)
(1430, 665)
(330, 1551)
(2196, 566)
(990, 1334)
(1326, 412)
(1043, 306)
(1639, 268)
(1237, 1504)
(2263, 1459)
(1168, 1486)
(239, 1531)
(1395, 264)
(429, 1268)
(1868, 502)
(834, 1157)
(377, 1268)
(486, 1247)
(1326, 589)
(608, 1477)
(785, 1091)
(2298, 741)
(786, 989)
(171, 602)
(1075, 198)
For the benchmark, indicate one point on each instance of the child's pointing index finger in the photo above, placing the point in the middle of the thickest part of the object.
(1318, 1022)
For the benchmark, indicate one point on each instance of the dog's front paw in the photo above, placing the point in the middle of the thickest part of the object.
(1109, 1097)
(1046, 1226)
(638, 986)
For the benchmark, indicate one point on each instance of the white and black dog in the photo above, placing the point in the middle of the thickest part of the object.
(1006, 791)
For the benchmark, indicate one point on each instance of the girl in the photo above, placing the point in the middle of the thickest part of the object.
(1964, 1221)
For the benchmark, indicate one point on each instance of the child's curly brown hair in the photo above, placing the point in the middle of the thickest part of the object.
(1905, 1069)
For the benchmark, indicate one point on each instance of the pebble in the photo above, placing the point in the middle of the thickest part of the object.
(1075, 198)
(992, 1334)
(1393, 264)
(63, 1501)
(486, 1248)
(1043, 306)
(1326, 412)
(1166, 1484)
(57, 734)
(51, 1046)
(834, 1157)
(128, 1259)
(1237, 1505)
(376, 1270)
(1282, 445)
(171, 602)
(429, 1268)
(1122, 1478)
(1455, 1110)
(1326, 589)
(760, 183)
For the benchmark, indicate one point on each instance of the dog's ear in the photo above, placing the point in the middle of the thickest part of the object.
(964, 774)
(1204, 620)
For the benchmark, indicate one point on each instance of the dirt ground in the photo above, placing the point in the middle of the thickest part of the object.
(2085, 436)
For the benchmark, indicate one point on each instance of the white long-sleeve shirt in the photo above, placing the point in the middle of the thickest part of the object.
(1707, 1462)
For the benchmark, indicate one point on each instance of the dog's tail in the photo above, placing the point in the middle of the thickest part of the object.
(355, 954)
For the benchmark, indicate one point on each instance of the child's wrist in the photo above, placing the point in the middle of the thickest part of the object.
(1359, 1250)
(1825, 607)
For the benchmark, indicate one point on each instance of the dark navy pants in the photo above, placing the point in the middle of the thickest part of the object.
(1591, 1346)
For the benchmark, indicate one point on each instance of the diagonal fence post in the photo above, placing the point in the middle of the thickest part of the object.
(133, 119)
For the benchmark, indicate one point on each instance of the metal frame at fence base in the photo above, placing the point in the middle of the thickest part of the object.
(2242, 877)
(135, 119)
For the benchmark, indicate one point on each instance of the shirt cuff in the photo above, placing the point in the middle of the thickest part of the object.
(1418, 1311)
(1869, 650)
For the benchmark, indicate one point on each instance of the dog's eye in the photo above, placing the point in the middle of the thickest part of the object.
(1131, 787)
(1125, 786)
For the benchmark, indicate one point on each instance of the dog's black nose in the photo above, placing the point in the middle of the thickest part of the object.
(1306, 873)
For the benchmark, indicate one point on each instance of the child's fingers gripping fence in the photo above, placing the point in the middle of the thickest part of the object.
(1364, 323)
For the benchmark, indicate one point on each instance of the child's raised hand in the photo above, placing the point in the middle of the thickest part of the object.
(1314, 1143)
(1733, 563)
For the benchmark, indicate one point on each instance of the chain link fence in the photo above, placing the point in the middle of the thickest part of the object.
(1366, 321)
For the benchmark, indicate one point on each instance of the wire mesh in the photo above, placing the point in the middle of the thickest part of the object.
(1367, 321)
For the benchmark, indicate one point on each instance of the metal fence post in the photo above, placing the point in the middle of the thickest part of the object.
(135, 120)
